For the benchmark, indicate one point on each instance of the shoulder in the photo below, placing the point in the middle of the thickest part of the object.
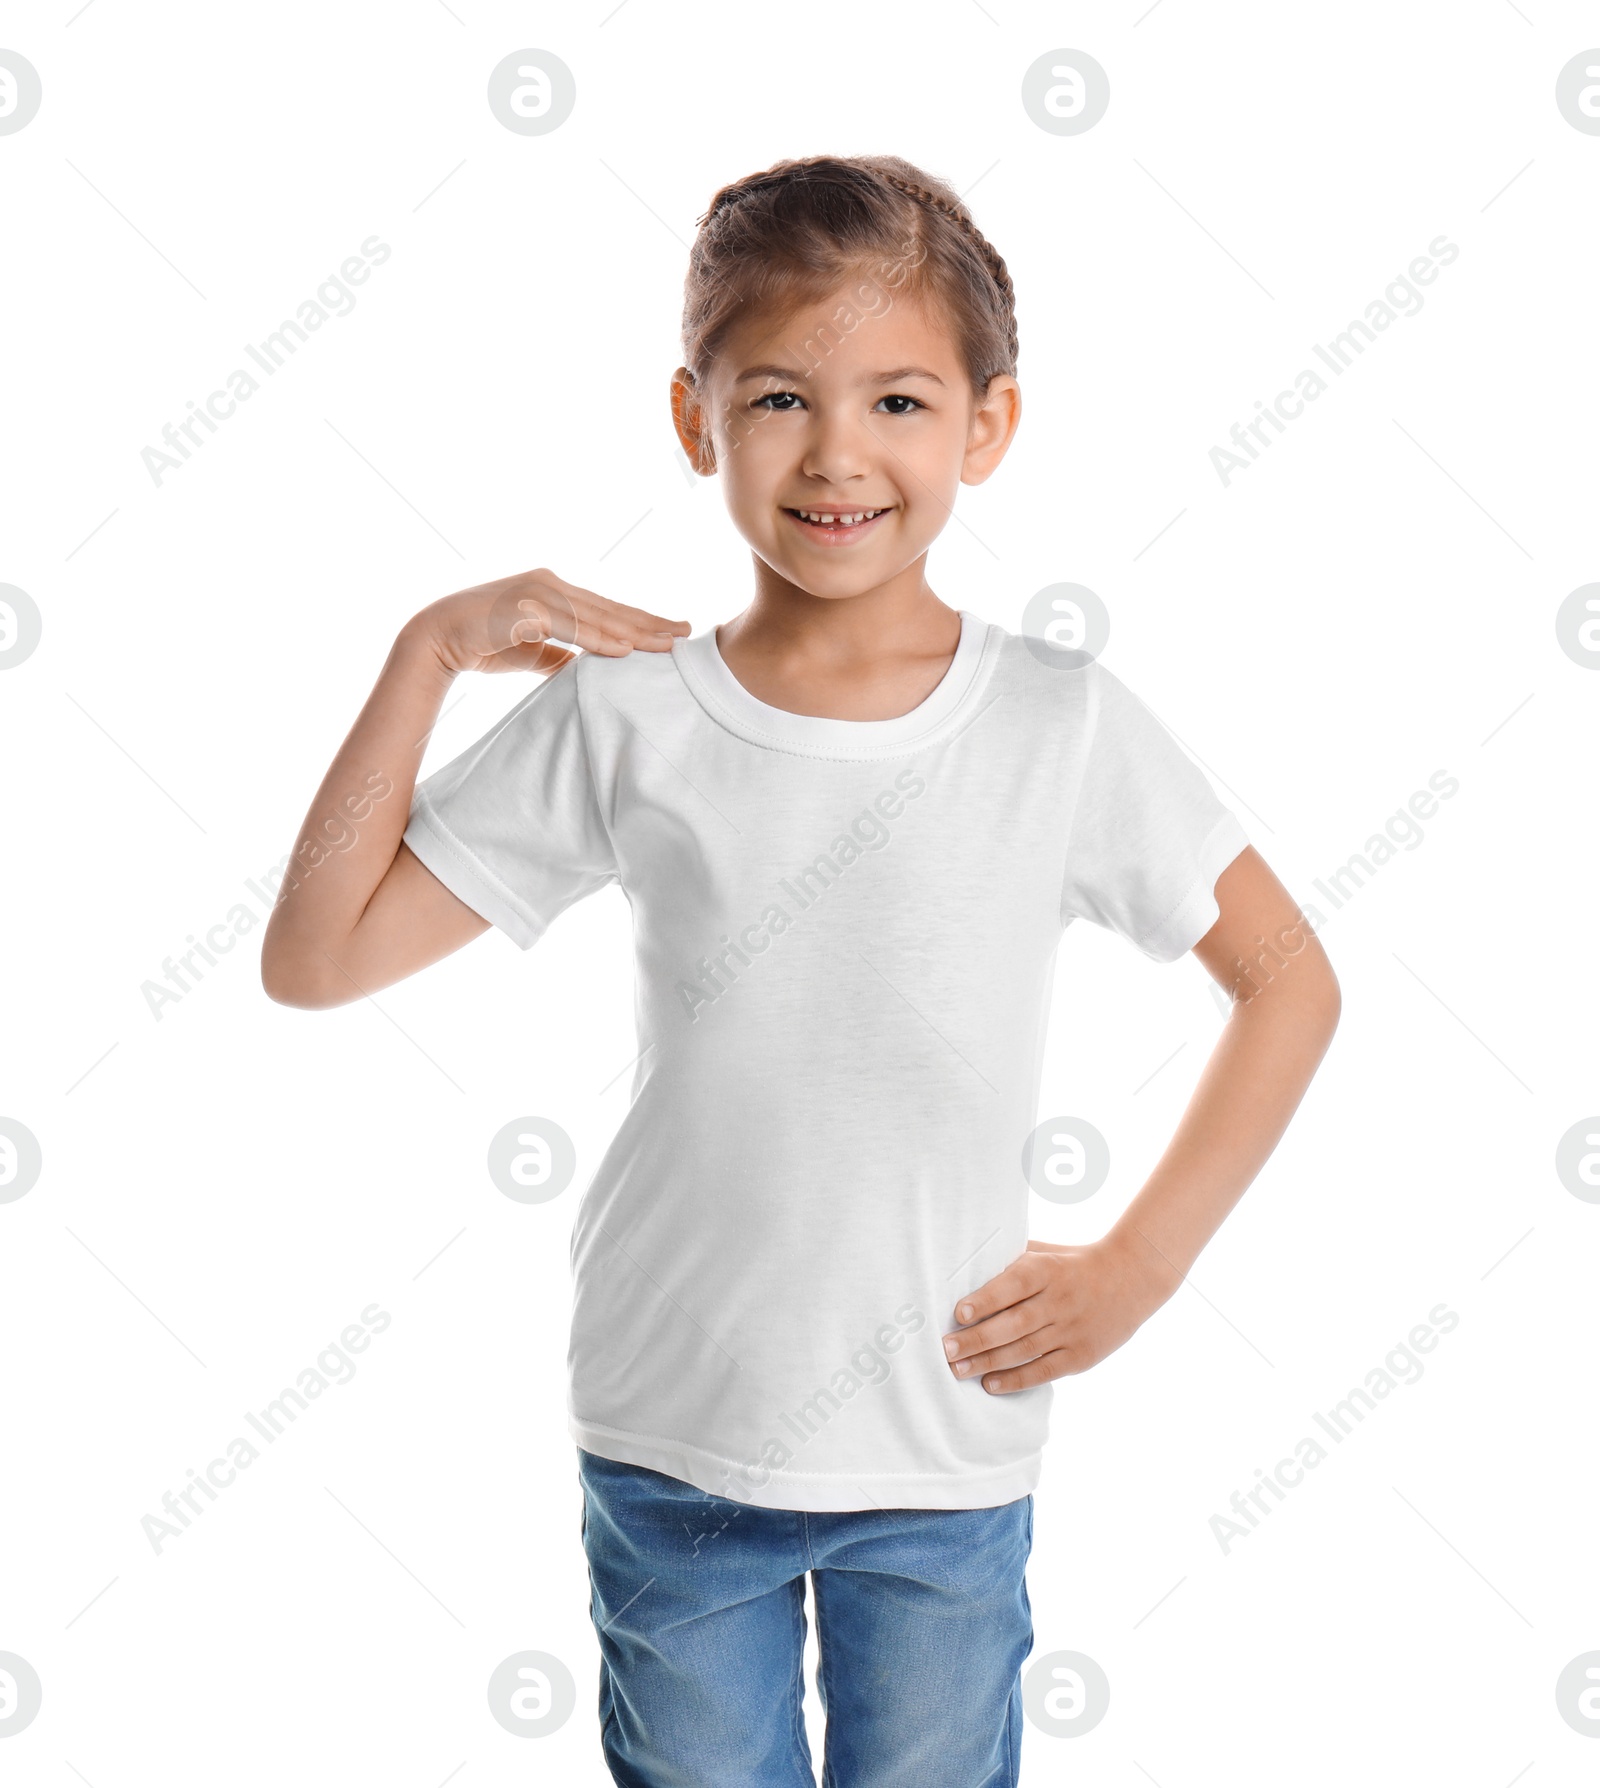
(1055, 686)
(611, 695)
(597, 678)
(1072, 701)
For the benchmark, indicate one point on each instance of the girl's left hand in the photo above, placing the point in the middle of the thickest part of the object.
(1056, 1309)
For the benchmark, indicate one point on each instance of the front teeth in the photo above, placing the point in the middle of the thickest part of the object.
(848, 520)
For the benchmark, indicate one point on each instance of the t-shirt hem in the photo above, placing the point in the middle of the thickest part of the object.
(810, 1492)
(443, 855)
(1198, 911)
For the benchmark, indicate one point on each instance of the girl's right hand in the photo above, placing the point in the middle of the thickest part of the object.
(525, 621)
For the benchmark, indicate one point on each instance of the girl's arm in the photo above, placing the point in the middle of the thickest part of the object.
(1286, 1006)
(1059, 1308)
(357, 910)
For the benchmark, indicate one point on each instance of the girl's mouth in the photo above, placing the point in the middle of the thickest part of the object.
(836, 526)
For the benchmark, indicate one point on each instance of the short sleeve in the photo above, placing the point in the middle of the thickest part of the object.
(1148, 836)
(512, 826)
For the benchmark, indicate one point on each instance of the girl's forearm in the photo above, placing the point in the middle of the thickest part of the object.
(353, 828)
(1252, 1083)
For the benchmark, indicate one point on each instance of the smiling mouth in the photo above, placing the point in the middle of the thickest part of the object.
(846, 524)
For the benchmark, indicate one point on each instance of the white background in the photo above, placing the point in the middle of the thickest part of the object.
(227, 1188)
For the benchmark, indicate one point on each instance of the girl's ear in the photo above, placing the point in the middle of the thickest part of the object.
(692, 424)
(994, 423)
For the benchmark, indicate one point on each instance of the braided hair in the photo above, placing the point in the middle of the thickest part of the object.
(795, 232)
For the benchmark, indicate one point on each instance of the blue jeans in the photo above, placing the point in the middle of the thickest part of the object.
(923, 1623)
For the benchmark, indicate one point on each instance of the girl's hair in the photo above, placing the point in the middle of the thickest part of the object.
(797, 231)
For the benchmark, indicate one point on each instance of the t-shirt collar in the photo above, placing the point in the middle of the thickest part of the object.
(731, 705)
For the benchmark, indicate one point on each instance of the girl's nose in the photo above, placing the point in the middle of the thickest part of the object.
(838, 448)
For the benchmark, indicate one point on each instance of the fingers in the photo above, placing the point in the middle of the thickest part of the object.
(1015, 1335)
(535, 606)
(624, 617)
(608, 633)
(1047, 1366)
(979, 1337)
(989, 1366)
(593, 638)
(1021, 1279)
(537, 621)
(644, 625)
(1036, 1356)
(612, 628)
(1011, 1325)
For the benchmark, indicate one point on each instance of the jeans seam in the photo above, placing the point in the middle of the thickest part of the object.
(798, 1681)
(824, 1676)
(1013, 1749)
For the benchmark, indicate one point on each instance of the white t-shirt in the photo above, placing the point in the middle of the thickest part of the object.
(844, 936)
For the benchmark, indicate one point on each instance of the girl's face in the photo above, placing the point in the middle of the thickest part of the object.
(839, 413)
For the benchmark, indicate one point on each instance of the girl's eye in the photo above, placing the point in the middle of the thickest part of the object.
(783, 401)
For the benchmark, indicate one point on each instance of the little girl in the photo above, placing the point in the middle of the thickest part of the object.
(810, 1333)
